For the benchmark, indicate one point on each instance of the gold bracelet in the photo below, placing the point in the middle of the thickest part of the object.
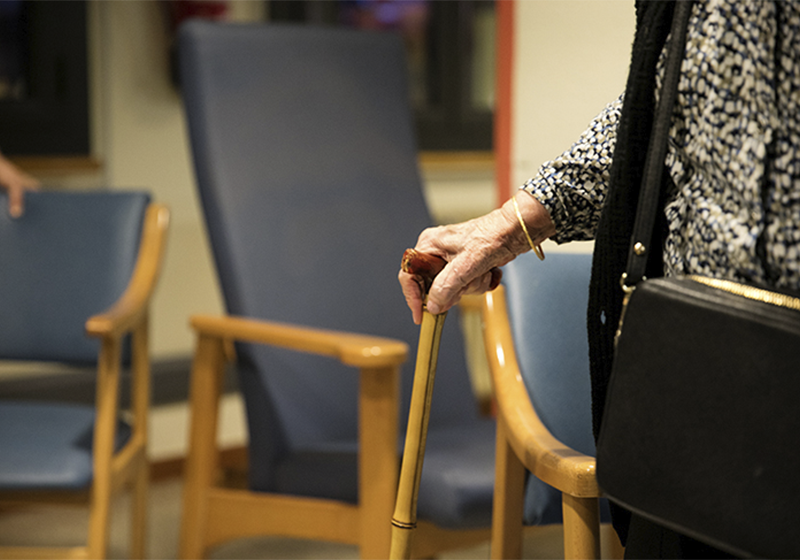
(536, 248)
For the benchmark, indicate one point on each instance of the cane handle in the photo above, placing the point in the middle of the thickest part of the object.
(426, 266)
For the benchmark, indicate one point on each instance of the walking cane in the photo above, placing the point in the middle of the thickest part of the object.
(404, 519)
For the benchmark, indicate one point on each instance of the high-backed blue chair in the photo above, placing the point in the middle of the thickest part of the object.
(78, 270)
(307, 171)
(537, 348)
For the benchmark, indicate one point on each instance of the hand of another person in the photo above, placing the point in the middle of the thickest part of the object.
(15, 181)
(472, 249)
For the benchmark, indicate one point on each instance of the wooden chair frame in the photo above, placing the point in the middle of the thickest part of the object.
(523, 442)
(214, 514)
(128, 467)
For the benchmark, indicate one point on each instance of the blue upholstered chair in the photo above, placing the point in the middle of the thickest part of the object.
(307, 171)
(77, 273)
(536, 342)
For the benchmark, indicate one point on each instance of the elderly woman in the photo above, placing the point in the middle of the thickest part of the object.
(732, 181)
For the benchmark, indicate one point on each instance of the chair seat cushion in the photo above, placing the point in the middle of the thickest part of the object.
(457, 482)
(48, 446)
(328, 470)
(457, 475)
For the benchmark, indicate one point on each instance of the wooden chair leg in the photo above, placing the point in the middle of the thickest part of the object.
(201, 463)
(509, 496)
(103, 447)
(581, 527)
(378, 460)
(140, 406)
(139, 494)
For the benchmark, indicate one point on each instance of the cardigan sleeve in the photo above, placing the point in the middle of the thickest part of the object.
(573, 186)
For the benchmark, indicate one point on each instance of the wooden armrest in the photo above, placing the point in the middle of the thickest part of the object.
(351, 349)
(129, 309)
(543, 454)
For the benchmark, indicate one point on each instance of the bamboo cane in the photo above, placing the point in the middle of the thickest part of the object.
(404, 520)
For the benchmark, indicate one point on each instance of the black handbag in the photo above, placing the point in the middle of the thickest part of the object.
(701, 427)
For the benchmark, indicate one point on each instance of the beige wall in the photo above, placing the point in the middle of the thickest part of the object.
(571, 59)
(142, 143)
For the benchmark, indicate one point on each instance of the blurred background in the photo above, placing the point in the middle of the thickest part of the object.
(89, 99)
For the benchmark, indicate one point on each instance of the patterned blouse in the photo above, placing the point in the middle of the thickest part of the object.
(734, 150)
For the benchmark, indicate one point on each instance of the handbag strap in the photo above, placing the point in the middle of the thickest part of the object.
(649, 194)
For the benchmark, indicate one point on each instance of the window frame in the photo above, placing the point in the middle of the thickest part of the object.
(449, 123)
(53, 119)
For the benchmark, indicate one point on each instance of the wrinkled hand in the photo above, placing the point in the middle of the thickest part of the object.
(472, 250)
(15, 181)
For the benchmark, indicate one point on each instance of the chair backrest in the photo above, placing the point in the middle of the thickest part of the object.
(67, 258)
(307, 169)
(547, 305)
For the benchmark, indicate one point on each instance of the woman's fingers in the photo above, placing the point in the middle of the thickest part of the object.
(412, 291)
(443, 299)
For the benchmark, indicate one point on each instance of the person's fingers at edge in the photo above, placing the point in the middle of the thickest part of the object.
(16, 201)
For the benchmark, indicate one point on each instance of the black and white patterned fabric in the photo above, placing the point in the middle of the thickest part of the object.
(734, 150)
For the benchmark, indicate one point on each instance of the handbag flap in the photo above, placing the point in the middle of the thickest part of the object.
(701, 435)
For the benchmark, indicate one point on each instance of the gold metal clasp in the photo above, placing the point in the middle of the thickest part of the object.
(628, 291)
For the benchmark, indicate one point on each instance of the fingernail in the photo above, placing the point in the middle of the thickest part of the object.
(15, 211)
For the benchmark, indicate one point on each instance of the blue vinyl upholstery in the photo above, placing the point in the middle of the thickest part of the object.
(547, 305)
(48, 446)
(307, 169)
(70, 256)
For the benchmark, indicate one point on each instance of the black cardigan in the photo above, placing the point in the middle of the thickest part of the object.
(612, 240)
